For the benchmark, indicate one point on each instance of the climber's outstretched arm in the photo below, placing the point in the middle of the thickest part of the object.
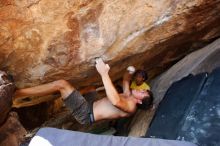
(111, 92)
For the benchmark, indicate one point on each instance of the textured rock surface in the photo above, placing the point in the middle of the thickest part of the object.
(12, 132)
(45, 40)
(6, 92)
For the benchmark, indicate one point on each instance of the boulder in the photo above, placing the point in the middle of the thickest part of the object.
(12, 132)
(46, 40)
(6, 92)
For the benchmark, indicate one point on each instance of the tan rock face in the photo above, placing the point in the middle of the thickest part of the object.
(46, 40)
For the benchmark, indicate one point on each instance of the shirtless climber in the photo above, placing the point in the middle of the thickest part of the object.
(115, 105)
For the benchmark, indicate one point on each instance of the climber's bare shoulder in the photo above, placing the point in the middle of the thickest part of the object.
(104, 109)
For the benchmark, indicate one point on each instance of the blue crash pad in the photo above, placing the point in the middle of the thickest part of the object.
(190, 111)
(58, 137)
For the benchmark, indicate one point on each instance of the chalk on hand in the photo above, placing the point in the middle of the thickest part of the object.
(97, 59)
(131, 69)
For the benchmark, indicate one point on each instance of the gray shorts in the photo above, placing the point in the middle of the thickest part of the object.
(81, 108)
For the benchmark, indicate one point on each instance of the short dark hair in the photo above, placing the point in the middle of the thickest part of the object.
(142, 73)
(147, 102)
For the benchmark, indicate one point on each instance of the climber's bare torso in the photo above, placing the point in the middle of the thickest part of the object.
(104, 109)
